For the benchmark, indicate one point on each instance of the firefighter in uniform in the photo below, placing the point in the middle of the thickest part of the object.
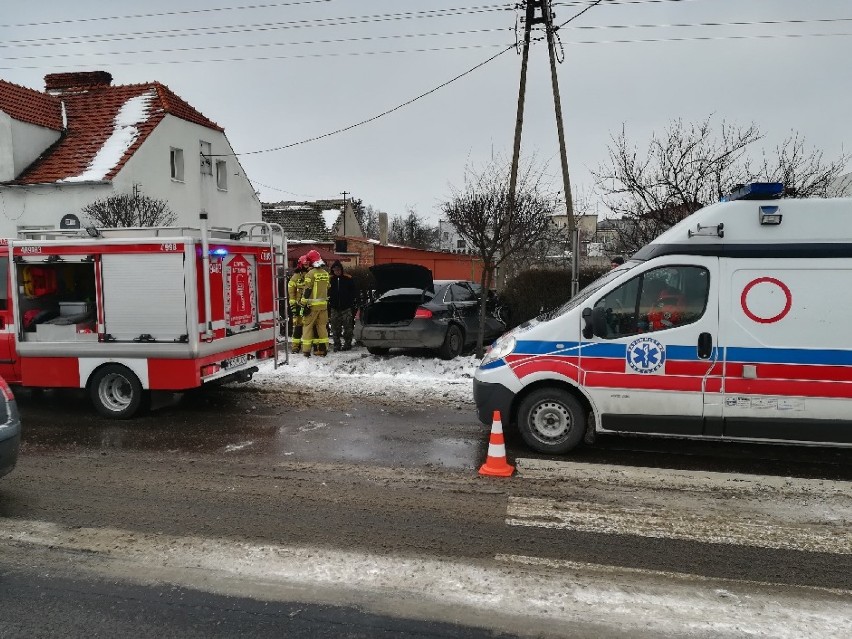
(295, 285)
(314, 303)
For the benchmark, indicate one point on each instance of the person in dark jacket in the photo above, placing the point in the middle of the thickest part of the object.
(341, 299)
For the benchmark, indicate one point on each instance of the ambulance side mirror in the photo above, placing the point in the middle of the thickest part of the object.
(595, 320)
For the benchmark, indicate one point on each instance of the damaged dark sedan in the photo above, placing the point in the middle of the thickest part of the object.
(413, 311)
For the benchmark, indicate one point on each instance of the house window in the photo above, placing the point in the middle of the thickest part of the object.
(222, 175)
(460, 244)
(446, 235)
(176, 160)
(206, 160)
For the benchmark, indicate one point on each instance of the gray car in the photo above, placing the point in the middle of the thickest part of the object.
(414, 311)
(10, 429)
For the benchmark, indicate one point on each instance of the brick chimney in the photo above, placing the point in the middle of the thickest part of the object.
(57, 83)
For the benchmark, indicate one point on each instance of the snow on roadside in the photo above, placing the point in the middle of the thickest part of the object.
(356, 373)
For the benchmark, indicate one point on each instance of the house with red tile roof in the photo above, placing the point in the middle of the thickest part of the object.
(83, 139)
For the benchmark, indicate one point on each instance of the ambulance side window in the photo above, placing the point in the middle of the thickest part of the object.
(662, 298)
(620, 308)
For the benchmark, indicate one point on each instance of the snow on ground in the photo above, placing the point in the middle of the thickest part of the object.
(356, 373)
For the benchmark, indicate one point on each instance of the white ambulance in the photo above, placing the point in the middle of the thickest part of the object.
(122, 312)
(735, 324)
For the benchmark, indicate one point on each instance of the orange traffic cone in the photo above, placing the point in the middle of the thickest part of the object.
(495, 464)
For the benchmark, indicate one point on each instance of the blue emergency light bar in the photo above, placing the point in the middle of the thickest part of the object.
(219, 251)
(756, 191)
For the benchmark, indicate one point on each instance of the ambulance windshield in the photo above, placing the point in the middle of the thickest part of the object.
(584, 294)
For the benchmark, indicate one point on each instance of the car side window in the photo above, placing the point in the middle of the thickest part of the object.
(659, 299)
(462, 293)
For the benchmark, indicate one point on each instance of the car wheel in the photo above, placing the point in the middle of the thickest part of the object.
(453, 343)
(116, 391)
(551, 421)
(377, 350)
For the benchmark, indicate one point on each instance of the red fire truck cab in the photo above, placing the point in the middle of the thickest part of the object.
(122, 312)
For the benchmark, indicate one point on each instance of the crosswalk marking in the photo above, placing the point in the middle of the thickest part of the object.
(613, 572)
(707, 526)
(506, 595)
(656, 478)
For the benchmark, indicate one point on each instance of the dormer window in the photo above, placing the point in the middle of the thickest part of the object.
(206, 159)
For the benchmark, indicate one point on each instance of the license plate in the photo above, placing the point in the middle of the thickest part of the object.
(239, 360)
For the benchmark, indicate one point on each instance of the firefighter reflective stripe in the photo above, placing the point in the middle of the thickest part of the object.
(316, 286)
(294, 287)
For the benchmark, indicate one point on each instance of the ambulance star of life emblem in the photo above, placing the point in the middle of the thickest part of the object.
(646, 355)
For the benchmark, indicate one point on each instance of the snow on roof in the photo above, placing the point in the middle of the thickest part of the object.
(100, 121)
(330, 217)
(124, 133)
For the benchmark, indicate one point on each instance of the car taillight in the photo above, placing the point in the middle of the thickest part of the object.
(358, 314)
(5, 390)
(422, 313)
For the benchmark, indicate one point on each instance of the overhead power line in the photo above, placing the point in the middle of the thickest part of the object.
(404, 104)
(401, 36)
(383, 113)
(273, 188)
(616, 2)
(768, 36)
(302, 56)
(163, 14)
(258, 27)
(471, 32)
(347, 54)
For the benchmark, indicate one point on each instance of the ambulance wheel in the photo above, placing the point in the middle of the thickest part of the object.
(551, 421)
(116, 391)
(453, 343)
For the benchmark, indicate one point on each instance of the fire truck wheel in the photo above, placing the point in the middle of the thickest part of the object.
(551, 421)
(116, 391)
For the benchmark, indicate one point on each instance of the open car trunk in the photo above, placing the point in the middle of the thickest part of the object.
(395, 308)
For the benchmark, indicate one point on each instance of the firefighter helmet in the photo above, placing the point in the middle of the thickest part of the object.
(314, 258)
(302, 262)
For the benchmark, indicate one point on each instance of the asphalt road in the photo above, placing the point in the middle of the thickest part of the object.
(35, 604)
(379, 479)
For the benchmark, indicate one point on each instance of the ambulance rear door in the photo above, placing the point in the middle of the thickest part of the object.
(651, 361)
(788, 348)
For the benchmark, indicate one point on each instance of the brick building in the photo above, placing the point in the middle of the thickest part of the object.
(444, 265)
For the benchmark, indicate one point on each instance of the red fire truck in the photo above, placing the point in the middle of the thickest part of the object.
(122, 312)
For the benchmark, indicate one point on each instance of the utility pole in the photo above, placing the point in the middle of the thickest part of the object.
(531, 19)
(566, 180)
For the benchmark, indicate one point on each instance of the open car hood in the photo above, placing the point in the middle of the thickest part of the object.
(396, 275)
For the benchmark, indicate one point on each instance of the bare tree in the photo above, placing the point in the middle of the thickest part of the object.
(496, 228)
(368, 218)
(803, 172)
(412, 230)
(126, 209)
(692, 165)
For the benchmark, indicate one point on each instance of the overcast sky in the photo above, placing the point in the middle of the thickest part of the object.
(274, 73)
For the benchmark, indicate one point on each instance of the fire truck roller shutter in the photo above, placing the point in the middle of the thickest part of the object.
(145, 295)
